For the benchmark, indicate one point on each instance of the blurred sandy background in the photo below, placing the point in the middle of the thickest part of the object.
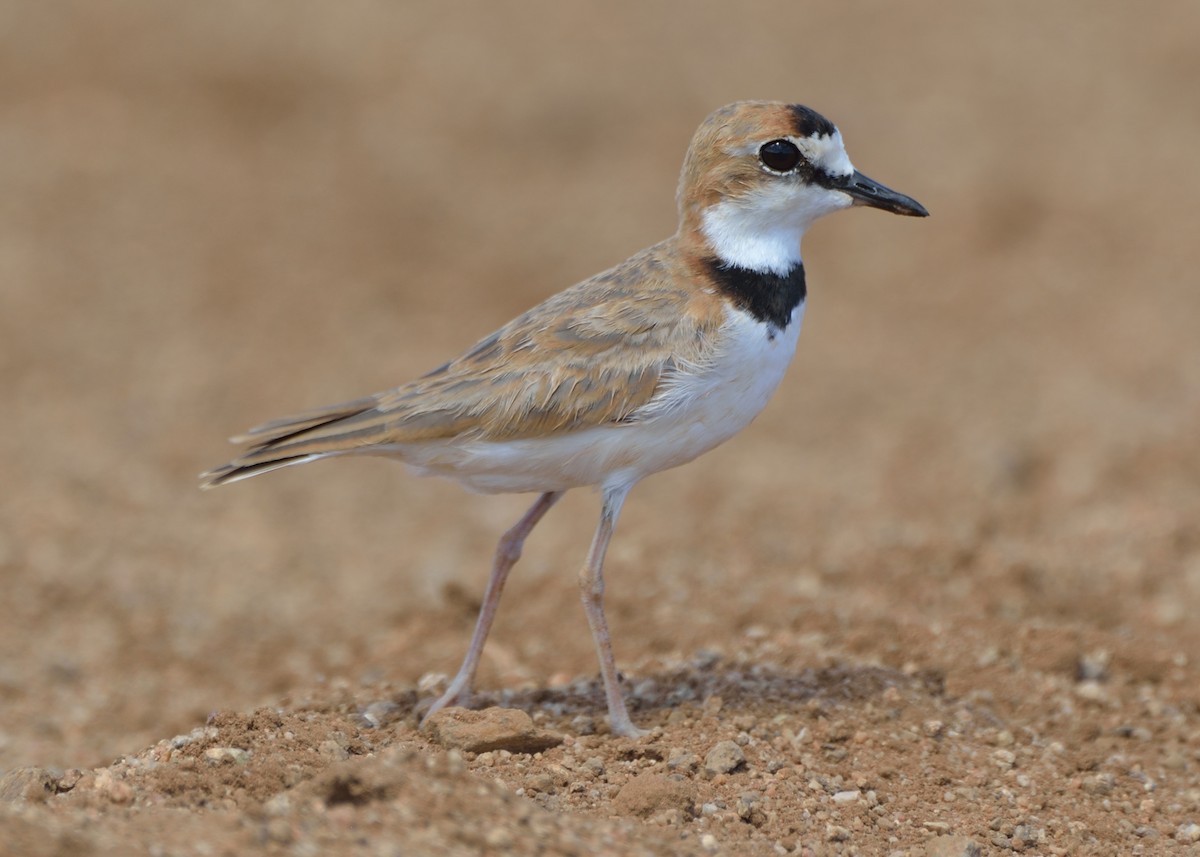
(216, 213)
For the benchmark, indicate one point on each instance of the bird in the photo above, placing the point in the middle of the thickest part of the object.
(638, 369)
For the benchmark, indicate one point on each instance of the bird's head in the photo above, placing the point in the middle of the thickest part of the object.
(757, 175)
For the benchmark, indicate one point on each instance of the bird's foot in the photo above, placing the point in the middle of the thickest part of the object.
(620, 724)
(457, 694)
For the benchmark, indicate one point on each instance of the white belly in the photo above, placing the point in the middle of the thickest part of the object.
(694, 413)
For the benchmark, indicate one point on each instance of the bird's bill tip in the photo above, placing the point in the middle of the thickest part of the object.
(866, 191)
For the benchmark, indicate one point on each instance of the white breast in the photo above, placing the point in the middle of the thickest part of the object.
(696, 411)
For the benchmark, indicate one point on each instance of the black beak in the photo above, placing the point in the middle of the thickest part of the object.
(867, 191)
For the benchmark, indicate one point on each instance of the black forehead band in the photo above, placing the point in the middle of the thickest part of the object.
(806, 122)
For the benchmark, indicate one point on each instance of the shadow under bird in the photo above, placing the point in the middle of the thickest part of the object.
(638, 369)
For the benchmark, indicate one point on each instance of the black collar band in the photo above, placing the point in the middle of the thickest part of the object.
(770, 298)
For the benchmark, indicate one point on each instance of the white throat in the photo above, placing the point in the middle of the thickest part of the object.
(772, 250)
(761, 230)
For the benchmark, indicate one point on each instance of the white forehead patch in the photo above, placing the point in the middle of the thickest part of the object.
(826, 153)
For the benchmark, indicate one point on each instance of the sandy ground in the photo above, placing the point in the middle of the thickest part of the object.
(942, 596)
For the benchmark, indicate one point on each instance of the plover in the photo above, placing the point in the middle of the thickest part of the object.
(638, 369)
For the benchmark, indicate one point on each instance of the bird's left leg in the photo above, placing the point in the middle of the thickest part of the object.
(507, 554)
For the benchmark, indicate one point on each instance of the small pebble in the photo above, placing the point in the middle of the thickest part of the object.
(725, 757)
(27, 784)
(431, 682)
(1189, 832)
(1093, 666)
(952, 846)
(117, 791)
(1099, 784)
(1027, 834)
(583, 724)
(684, 763)
(835, 833)
(649, 794)
(227, 754)
(749, 810)
(506, 730)
(378, 713)
(333, 750)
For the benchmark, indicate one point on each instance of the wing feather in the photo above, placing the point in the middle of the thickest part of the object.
(589, 356)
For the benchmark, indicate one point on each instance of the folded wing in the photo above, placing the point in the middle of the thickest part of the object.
(591, 355)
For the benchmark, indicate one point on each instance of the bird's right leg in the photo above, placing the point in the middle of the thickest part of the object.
(507, 554)
(591, 588)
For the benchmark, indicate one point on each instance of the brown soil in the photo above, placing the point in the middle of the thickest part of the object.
(943, 594)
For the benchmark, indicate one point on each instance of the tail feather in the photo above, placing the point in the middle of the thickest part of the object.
(234, 472)
(281, 443)
(282, 429)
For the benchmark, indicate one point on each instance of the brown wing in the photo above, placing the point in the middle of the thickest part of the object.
(589, 356)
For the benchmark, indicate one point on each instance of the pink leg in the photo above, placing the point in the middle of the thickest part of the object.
(507, 554)
(591, 588)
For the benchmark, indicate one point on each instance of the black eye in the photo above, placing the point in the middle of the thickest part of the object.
(780, 155)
